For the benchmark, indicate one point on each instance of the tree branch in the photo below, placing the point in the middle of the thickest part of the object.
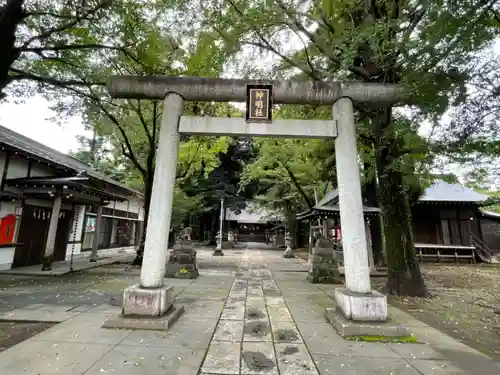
(267, 46)
(297, 185)
(19, 75)
(77, 19)
(69, 47)
(323, 49)
(143, 122)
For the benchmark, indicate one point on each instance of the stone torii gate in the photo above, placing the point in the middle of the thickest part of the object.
(151, 298)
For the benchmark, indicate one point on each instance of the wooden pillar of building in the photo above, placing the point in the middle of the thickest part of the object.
(51, 235)
(371, 261)
(97, 232)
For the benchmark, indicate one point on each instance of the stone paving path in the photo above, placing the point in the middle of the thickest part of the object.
(256, 333)
(250, 312)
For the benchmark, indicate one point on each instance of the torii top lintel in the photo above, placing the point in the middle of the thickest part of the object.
(234, 90)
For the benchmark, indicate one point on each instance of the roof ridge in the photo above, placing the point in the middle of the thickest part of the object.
(31, 146)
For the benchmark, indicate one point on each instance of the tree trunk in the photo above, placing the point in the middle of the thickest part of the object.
(11, 15)
(148, 188)
(377, 241)
(404, 275)
(370, 194)
(213, 227)
(292, 227)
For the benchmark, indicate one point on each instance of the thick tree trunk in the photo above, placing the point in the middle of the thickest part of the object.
(11, 15)
(404, 275)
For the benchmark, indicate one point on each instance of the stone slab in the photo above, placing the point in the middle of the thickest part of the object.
(279, 314)
(185, 333)
(41, 357)
(138, 301)
(234, 311)
(362, 307)
(229, 330)
(50, 307)
(346, 365)
(321, 339)
(258, 358)
(346, 327)
(257, 330)
(255, 313)
(294, 359)
(222, 358)
(145, 360)
(162, 323)
(38, 315)
(465, 366)
(83, 329)
(285, 332)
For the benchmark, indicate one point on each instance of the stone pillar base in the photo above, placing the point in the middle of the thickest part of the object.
(369, 307)
(145, 308)
(350, 328)
(323, 267)
(147, 302)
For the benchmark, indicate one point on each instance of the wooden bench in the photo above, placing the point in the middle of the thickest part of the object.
(440, 252)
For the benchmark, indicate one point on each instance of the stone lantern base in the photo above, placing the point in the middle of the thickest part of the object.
(323, 267)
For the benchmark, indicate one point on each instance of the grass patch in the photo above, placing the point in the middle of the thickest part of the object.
(405, 339)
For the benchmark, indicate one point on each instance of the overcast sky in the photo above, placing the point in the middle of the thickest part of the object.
(32, 120)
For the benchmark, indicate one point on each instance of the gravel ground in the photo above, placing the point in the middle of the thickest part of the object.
(464, 303)
(12, 333)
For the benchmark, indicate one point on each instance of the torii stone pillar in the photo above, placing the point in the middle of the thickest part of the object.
(357, 301)
(151, 297)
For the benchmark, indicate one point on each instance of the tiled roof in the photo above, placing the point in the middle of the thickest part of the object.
(441, 191)
(329, 198)
(51, 156)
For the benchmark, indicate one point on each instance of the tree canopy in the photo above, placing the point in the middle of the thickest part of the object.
(434, 49)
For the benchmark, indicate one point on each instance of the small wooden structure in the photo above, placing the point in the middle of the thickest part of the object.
(448, 224)
(325, 217)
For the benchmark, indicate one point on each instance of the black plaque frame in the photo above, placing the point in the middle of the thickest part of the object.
(250, 104)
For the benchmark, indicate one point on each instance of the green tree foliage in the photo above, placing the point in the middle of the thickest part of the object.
(419, 44)
(43, 40)
(95, 152)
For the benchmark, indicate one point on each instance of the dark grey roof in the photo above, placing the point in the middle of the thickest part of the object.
(331, 197)
(336, 208)
(441, 191)
(29, 146)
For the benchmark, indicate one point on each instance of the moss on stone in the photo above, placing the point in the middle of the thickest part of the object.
(406, 339)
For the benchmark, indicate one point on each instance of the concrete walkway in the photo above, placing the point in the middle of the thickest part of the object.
(64, 267)
(250, 312)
